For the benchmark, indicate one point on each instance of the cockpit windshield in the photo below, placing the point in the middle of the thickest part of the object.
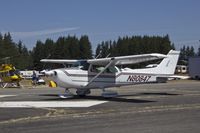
(81, 64)
(11, 73)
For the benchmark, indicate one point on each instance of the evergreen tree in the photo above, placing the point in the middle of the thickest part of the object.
(37, 55)
(185, 53)
(191, 53)
(59, 49)
(74, 49)
(85, 47)
(198, 53)
(9, 47)
(173, 46)
(98, 50)
(24, 59)
(49, 48)
(19, 45)
(105, 49)
(1, 46)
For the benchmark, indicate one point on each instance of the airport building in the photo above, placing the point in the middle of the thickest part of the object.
(194, 67)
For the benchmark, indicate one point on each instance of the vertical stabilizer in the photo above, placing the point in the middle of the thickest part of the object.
(168, 65)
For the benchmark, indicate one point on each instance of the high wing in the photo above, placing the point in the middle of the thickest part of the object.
(59, 61)
(123, 60)
(120, 60)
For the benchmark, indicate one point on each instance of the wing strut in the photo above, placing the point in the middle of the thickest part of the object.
(112, 59)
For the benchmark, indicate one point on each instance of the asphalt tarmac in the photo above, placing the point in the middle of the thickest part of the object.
(150, 108)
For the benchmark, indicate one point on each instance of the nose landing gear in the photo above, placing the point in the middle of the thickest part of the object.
(66, 95)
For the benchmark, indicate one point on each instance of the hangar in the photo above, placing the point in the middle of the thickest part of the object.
(194, 67)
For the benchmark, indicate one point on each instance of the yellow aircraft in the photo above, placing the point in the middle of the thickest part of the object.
(9, 75)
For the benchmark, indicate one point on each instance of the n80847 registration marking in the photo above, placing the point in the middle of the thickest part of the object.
(138, 78)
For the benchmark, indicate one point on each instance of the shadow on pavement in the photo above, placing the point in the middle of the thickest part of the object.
(115, 99)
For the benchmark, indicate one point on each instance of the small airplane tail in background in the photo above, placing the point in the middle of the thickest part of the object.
(168, 65)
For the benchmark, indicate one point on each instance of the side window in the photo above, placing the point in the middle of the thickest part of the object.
(85, 65)
(93, 68)
(98, 69)
(111, 69)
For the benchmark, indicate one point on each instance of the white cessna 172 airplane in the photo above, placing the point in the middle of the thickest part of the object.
(103, 73)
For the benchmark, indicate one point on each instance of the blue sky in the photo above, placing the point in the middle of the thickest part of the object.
(101, 20)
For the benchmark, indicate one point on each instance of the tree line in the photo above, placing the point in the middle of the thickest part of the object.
(72, 47)
(69, 47)
(186, 52)
(135, 45)
(15, 53)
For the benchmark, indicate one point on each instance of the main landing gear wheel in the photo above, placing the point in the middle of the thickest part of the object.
(109, 94)
(66, 95)
(82, 92)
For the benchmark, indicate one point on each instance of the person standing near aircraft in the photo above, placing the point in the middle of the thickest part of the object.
(34, 78)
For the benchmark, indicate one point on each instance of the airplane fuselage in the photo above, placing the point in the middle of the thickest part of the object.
(77, 78)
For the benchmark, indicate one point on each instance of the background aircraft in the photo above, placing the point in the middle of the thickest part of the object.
(9, 75)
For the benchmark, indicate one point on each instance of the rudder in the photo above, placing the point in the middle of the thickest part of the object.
(168, 65)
